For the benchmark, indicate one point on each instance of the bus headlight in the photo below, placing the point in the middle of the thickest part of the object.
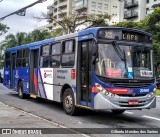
(155, 88)
(104, 91)
(99, 87)
(151, 94)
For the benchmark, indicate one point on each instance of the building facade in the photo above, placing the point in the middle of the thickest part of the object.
(120, 10)
(150, 5)
(58, 10)
(134, 10)
(110, 7)
(61, 8)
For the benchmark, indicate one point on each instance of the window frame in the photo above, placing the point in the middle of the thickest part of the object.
(22, 58)
(53, 55)
(73, 52)
(42, 56)
(8, 59)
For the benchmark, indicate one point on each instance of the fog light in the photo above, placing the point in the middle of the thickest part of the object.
(112, 95)
(149, 95)
(106, 93)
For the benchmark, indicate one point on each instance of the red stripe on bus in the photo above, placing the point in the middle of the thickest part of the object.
(113, 90)
(118, 90)
(35, 82)
(94, 89)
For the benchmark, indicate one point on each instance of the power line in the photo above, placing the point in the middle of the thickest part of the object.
(22, 11)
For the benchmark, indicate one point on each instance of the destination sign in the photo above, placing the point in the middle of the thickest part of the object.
(127, 35)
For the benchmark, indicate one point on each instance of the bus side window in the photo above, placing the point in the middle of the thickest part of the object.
(7, 62)
(55, 55)
(25, 61)
(68, 53)
(19, 58)
(45, 55)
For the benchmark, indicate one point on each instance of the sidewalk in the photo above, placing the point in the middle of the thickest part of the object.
(12, 118)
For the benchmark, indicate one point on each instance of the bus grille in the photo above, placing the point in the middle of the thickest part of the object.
(130, 95)
(131, 85)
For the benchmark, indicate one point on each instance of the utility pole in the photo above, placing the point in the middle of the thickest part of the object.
(22, 11)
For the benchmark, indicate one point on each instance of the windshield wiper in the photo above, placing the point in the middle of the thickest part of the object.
(120, 53)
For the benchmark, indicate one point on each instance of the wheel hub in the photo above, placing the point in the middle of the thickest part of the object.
(68, 102)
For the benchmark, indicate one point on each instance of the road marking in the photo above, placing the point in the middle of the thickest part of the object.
(151, 117)
(38, 117)
(128, 112)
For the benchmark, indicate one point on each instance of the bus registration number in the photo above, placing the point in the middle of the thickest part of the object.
(132, 102)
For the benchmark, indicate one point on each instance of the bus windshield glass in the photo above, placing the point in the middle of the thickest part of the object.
(124, 62)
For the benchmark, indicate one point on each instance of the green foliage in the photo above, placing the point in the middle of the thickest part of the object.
(158, 92)
(73, 20)
(98, 19)
(57, 32)
(3, 29)
(21, 38)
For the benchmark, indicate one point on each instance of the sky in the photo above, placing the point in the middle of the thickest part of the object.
(22, 23)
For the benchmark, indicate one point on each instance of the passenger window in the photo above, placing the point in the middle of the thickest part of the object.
(44, 63)
(19, 58)
(56, 57)
(56, 49)
(68, 47)
(26, 53)
(68, 56)
(45, 56)
(22, 58)
(19, 53)
(7, 62)
(45, 50)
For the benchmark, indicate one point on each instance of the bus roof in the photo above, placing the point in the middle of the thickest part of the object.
(84, 32)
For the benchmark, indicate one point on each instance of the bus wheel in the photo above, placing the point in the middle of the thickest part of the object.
(118, 111)
(20, 90)
(69, 102)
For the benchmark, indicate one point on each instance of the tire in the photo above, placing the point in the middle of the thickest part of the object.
(69, 102)
(20, 90)
(118, 111)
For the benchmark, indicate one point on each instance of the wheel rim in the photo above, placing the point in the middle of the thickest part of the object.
(68, 103)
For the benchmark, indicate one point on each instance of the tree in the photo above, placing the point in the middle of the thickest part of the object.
(72, 21)
(21, 38)
(37, 35)
(12, 40)
(56, 32)
(3, 29)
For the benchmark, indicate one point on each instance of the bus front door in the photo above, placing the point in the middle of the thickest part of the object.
(12, 73)
(84, 74)
(33, 84)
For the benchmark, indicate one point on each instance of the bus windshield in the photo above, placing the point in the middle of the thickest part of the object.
(124, 62)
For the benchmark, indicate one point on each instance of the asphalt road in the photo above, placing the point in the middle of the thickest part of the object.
(51, 114)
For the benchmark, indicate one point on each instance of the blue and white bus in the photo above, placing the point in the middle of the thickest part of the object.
(101, 68)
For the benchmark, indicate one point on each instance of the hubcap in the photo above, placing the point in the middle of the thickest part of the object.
(68, 103)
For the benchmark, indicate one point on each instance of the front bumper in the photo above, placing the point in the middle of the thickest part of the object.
(102, 102)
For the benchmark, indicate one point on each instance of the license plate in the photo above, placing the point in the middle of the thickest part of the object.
(133, 102)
